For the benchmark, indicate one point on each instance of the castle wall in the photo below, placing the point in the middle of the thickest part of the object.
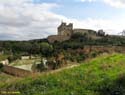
(83, 31)
(58, 38)
(109, 49)
(80, 31)
(65, 33)
(65, 30)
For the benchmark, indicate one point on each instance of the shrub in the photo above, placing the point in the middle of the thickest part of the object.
(14, 57)
(93, 54)
(39, 67)
(51, 64)
(112, 87)
(1, 67)
(80, 58)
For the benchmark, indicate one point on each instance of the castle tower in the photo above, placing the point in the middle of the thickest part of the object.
(65, 30)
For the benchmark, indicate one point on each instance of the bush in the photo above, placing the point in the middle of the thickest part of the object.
(1, 67)
(109, 87)
(93, 54)
(54, 64)
(39, 67)
(80, 58)
(14, 57)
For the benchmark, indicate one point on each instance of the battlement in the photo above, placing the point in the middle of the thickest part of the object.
(65, 30)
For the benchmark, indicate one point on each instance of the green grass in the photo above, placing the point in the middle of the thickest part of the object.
(90, 78)
(5, 78)
(3, 57)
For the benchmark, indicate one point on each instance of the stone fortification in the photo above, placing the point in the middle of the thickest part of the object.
(66, 31)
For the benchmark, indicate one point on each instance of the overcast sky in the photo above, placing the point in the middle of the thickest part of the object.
(34, 19)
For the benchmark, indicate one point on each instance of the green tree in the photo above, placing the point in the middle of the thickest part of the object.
(46, 49)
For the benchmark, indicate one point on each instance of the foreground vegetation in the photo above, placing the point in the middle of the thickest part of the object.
(104, 75)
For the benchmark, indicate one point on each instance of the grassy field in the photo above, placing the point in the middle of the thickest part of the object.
(104, 75)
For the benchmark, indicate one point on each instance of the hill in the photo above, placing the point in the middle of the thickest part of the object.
(104, 75)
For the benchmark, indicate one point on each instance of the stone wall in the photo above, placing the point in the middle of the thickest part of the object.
(109, 49)
(84, 31)
(16, 71)
(65, 30)
(57, 38)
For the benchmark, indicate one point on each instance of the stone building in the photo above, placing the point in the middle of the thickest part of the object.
(66, 31)
(101, 32)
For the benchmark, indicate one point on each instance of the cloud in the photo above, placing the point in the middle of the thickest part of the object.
(116, 3)
(24, 20)
(109, 26)
(113, 3)
(13, 2)
(88, 0)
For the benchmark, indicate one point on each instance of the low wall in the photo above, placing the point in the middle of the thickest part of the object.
(109, 49)
(16, 71)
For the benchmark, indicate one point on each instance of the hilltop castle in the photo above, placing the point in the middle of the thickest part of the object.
(66, 31)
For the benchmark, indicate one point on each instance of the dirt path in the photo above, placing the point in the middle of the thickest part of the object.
(63, 68)
(35, 75)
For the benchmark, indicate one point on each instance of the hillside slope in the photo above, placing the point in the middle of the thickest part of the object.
(104, 75)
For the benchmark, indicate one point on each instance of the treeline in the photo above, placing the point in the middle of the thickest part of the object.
(80, 40)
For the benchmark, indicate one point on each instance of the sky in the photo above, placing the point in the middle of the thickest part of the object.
(36, 19)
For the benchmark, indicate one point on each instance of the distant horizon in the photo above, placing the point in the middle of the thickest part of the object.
(37, 19)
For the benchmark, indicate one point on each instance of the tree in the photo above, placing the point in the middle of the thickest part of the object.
(35, 49)
(46, 49)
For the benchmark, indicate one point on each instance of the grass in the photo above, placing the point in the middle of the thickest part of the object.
(90, 78)
(3, 57)
(20, 62)
(5, 78)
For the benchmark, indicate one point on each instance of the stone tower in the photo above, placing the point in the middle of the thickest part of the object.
(65, 30)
